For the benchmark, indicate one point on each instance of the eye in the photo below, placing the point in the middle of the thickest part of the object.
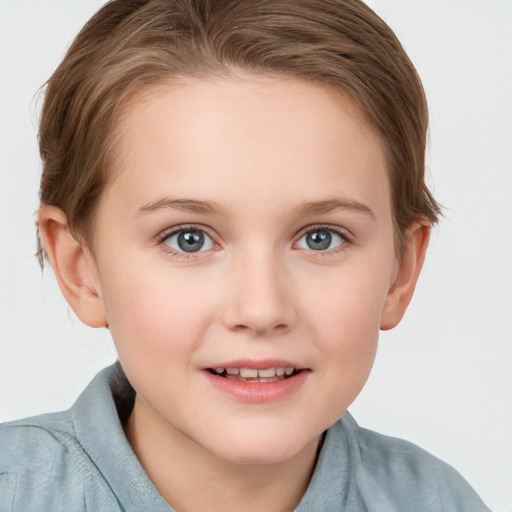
(321, 239)
(188, 240)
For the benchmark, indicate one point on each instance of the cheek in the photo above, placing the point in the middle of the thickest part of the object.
(346, 317)
(351, 302)
(151, 315)
(347, 337)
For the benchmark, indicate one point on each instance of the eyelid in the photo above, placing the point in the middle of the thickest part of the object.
(345, 236)
(342, 232)
(167, 233)
(170, 232)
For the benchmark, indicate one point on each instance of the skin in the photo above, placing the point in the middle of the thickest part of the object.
(263, 150)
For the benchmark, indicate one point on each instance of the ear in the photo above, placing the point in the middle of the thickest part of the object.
(408, 271)
(73, 265)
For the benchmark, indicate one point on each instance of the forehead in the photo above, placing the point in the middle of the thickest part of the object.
(276, 139)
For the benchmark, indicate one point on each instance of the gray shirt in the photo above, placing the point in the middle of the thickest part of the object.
(80, 460)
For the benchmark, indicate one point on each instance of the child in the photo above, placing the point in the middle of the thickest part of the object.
(234, 189)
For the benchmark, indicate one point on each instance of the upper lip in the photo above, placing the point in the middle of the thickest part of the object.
(257, 364)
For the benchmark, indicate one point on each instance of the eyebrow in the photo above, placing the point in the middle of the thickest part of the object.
(210, 207)
(188, 205)
(329, 205)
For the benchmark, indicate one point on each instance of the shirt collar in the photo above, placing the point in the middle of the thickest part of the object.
(99, 431)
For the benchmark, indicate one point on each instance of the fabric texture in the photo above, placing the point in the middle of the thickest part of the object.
(80, 460)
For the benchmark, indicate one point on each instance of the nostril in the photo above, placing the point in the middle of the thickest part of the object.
(260, 308)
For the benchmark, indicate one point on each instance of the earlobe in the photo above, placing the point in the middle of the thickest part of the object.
(73, 266)
(409, 267)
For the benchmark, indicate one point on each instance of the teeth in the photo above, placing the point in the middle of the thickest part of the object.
(270, 372)
(253, 373)
(248, 373)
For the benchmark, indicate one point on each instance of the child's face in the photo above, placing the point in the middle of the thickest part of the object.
(284, 259)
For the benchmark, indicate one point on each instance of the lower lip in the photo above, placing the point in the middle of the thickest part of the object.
(258, 392)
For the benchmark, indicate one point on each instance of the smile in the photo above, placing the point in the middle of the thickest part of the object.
(257, 381)
(254, 374)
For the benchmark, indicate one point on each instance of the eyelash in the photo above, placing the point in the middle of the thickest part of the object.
(181, 229)
(345, 237)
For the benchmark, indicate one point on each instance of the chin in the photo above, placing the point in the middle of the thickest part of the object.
(260, 451)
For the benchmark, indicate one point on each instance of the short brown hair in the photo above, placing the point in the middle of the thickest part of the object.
(131, 45)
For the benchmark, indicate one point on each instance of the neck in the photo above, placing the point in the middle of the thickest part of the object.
(191, 478)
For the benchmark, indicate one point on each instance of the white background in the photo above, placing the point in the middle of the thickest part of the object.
(443, 378)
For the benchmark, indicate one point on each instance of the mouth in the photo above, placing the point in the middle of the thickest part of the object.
(257, 381)
(273, 374)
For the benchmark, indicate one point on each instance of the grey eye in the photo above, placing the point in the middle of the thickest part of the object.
(320, 240)
(189, 240)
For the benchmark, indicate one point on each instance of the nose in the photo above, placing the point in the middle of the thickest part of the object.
(260, 299)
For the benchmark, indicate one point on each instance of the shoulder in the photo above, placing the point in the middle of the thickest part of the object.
(404, 476)
(36, 432)
(31, 443)
(37, 455)
(43, 466)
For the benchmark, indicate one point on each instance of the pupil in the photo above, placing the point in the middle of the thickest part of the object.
(191, 241)
(319, 240)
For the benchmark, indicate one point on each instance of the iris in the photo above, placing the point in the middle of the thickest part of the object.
(319, 240)
(191, 241)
